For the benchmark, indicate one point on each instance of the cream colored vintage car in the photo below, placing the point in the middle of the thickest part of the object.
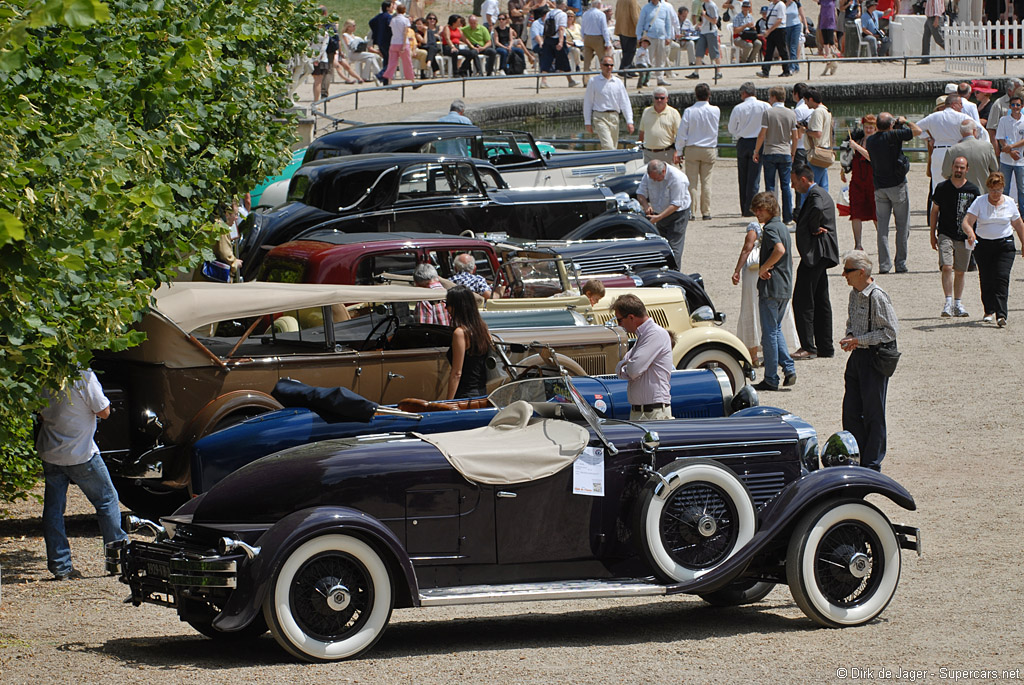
(541, 281)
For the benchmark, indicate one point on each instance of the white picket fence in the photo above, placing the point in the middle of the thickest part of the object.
(994, 40)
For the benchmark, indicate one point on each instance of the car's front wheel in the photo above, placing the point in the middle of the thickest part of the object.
(331, 599)
(843, 563)
(698, 517)
(707, 357)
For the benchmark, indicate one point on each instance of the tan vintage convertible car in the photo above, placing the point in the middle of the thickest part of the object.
(214, 353)
(540, 280)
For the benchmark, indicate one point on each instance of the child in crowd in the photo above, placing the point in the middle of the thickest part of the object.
(642, 60)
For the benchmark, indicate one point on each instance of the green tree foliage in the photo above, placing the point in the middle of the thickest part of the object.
(122, 126)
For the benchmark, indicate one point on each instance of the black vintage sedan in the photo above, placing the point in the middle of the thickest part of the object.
(420, 192)
(321, 542)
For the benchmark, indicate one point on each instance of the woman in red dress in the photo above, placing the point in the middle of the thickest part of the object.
(862, 183)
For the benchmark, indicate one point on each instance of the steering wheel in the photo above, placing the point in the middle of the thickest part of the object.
(384, 338)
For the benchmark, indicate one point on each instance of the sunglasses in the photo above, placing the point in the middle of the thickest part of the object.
(1015, 105)
(849, 270)
(607, 65)
(620, 319)
(656, 97)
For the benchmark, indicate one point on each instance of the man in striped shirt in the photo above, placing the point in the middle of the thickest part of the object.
(933, 10)
(425, 276)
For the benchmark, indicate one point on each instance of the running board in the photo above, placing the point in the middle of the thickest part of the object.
(535, 592)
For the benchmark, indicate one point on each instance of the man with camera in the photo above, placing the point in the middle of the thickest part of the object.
(878, 42)
(889, 167)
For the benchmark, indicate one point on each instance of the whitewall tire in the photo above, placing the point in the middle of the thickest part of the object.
(695, 519)
(843, 563)
(331, 599)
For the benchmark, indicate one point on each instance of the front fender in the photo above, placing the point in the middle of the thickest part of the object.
(837, 482)
(217, 409)
(698, 336)
(297, 528)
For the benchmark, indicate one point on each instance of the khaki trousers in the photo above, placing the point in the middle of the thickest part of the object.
(592, 45)
(662, 414)
(664, 155)
(606, 127)
(699, 163)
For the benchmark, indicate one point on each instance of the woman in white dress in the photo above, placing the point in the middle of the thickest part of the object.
(748, 328)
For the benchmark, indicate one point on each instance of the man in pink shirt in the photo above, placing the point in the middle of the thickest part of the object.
(648, 365)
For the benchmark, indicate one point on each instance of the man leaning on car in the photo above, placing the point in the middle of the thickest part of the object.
(648, 365)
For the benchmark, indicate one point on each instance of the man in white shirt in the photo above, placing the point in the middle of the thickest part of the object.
(664, 194)
(970, 109)
(775, 39)
(745, 127)
(697, 144)
(943, 127)
(603, 102)
(707, 43)
(745, 20)
(490, 10)
(686, 36)
(597, 38)
(1000, 107)
(1010, 136)
(554, 55)
(70, 455)
(659, 124)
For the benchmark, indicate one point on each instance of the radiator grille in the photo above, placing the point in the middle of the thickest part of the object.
(602, 264)
(593, 364)
(764, 486)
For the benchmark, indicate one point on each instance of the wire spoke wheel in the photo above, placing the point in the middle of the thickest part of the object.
(693, 518)
(318, 609)
(848, 566)
(698, 525)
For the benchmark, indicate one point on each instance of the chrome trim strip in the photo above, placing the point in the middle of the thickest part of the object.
(369, 190)
(726, 386)
(770, 453)
(211, 565)
(532, 592)
(440, 557)
(710, 445)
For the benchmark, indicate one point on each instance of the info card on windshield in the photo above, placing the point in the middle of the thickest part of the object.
(588, 473)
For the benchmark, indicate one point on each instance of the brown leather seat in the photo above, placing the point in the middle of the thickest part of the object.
(418, 406)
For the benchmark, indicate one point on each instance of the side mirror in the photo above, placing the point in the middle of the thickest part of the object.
(651, 441)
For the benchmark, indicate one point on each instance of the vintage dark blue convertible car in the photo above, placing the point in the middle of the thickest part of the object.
(696, 393)
(548, 501)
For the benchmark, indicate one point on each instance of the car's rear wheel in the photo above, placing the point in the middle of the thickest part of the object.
(331, 599)
(843, 563)
(711, 357)
(741, 592)
(695, 519)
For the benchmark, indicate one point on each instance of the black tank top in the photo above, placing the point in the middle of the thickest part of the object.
(473, 382)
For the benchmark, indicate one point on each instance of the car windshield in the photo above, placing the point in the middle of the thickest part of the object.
(531, 277)
(541, 391)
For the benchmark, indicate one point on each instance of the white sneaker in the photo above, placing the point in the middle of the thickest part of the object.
(947, 310)
(988, 318)
(958, 310)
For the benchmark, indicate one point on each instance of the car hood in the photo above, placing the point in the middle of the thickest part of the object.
(369, 473)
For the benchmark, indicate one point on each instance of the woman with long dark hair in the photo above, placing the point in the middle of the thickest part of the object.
(471, 343)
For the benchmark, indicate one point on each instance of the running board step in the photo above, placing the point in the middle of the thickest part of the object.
(534, 592)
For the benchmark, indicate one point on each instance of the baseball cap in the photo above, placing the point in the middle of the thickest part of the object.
(764, 8)
(745, 3)
(950, 88)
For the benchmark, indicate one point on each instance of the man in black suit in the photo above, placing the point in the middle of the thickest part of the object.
(818, 247)
(380, 28)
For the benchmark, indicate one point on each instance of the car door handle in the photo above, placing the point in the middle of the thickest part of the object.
(392, 374)
(504, 493)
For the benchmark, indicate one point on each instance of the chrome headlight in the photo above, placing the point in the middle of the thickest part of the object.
(841, 449)
(745, 397)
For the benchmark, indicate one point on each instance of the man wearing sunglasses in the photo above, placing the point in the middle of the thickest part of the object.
(603, 102)
(648, 365)
(658, 127)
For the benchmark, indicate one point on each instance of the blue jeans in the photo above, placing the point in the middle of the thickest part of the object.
(94, 480)
(780, 165)
(820, 176)
(773, 343)
(793, 42)
(1017, 172)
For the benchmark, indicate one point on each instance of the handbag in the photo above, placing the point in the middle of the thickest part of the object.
(821, 157)
(884, 356)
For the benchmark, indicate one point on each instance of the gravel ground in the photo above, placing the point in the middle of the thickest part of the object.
(954, 420)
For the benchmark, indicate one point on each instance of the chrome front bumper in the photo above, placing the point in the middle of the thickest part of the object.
(160, 572)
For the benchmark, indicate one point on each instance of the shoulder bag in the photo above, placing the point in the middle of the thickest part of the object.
(823, 157)
(884, 356)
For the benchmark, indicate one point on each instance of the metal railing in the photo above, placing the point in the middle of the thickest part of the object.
(717, 70)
